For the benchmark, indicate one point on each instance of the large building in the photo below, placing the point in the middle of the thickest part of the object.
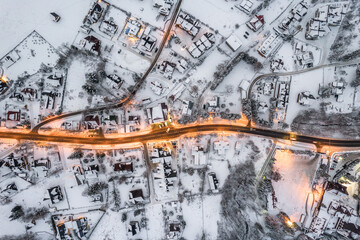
(333, 213)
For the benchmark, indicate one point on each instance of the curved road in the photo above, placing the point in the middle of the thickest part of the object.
(177, 132)
(298, 72)
(137, 85)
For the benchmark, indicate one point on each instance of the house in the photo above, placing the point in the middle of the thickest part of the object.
(334, 213)
(54, 81)
(316, 29)
(270, 45)
(156, 87)
(262, 107)
(245, 6)
(325, 16)
(157, 114)
(164, 6)
(134, 120)
(147, 42)
(276, 64)
(89, 43)
(244, 87)
(176, 91)
(167, 69)
(300, 10)
(283, 90)
(214, 183)
(160, 155)
(136, 196)
(70, 125)
(30, 93)
(304, 59)
(199, 47)
(82, 226)
(17, 96)
(304, 98)
(134, 228)
(124, 167)
(49, 98)
(92, 44)
(289, 26)
(336, 13)
(182, 65)
(213, 104)
(73, 228)
(10, 190)
(233, 42)
(42, 163)
(199, 155)
(110, 123)
(91, 122)
(256, 23)
(187, 107)
(114, 81)
(94, 14)
(109, 27)
(337, 89)
(188, 23)
(174, 230)
(133, 28)
(13, 116)
(221, 147)
(55, 194)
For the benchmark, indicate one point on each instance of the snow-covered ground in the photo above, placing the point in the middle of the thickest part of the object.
(297, 172)
(22, 17)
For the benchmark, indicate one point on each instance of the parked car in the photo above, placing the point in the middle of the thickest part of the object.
(55, 16)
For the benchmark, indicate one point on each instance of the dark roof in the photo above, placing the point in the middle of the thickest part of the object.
(350, 227)
(95, 41)
(137, 193)
(134, 226)
(55, 193)
(174, 227)
(61, 228)
(124, 166)
(336, 186)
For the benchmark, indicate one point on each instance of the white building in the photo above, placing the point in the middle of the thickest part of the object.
(270, 45)
(245, 6)
(221, 147)
(233, 42)
(199, 155)
(334, 214)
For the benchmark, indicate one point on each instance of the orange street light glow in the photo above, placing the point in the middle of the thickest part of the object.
(289, 223)
(4, 79)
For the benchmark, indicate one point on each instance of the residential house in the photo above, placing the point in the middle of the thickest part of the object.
(136, 196)
(55, 194)
(256, 23)
(188, 23)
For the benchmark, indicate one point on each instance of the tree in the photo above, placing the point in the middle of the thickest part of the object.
(96, 188)
(356, 82)
(16, 212)
(77, 154)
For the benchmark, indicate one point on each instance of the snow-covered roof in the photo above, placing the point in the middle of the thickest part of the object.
(233, 42)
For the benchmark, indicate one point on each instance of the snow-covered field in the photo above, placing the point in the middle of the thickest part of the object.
(297, 172)
(75, 97)
(22, 17)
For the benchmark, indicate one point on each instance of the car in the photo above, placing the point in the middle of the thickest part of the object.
(56, 17)
(245, 36)
(247, 33)
(142, 53)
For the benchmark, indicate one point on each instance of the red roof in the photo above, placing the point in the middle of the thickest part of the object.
(260, 18)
